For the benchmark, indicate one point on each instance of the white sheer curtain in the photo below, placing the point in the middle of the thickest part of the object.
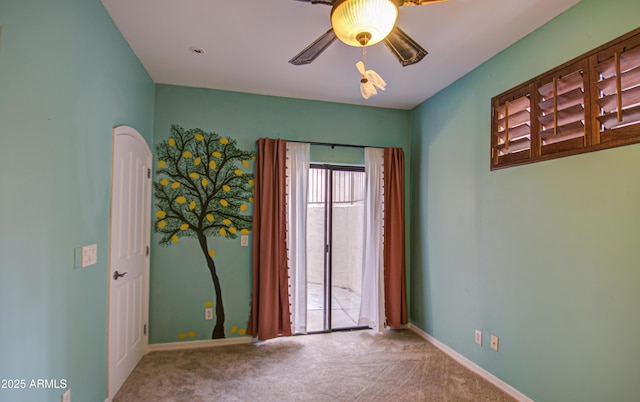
(372, 302)
(297, 188)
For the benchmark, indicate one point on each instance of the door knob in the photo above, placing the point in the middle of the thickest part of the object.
(117, 275)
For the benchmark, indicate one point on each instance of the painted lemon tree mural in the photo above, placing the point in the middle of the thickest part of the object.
(203, 191)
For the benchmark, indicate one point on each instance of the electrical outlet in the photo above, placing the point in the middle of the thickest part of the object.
(208, 313)
(479, 337)
(494, 342)
(66, 397)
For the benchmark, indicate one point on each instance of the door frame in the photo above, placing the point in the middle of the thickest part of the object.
(132, 132)
(329, 169)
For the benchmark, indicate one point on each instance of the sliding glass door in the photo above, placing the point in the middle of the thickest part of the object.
(335, 214)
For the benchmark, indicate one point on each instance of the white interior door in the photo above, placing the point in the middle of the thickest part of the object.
(129, 255)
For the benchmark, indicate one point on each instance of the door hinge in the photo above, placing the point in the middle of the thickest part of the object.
(147, 251)
(144, 329)
(148, 173)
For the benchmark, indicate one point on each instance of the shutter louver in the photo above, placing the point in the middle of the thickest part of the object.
(562, 108)
(513, 132)
(619, 91)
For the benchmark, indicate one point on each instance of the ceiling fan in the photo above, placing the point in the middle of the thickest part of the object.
(363, 23)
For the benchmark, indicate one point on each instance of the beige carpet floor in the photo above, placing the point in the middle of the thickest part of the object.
(340, 366)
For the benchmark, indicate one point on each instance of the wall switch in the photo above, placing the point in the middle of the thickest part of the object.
(244, 240)
(89, 255)
(208, 313)
(494, 342)
(479, 337)
(66, 397)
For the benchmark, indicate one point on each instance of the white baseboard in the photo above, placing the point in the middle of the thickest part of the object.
(471, 365)
(158, 347)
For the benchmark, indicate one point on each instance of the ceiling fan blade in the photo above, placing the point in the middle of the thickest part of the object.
(419, 2)
(327, 2)
(312, 51)
(404, 48)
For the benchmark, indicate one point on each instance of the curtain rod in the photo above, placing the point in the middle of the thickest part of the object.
(328, 144)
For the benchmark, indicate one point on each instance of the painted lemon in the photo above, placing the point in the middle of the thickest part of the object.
(210, 217)
(226, 222)
(234, 329)
(244, 231)
(224, 203)
(212, 254)
(171, 142)
(251, 200)
(251, 182)
(238, 172)
(245, 164)
(164, 182)
(187, 154)
(223, 232)
(242, 331)
(174, 239)
(209, 304)
(162, 224)
(253, 158)
(192, 205)
(181, 200)
(204, 182)
(182, 336)
(192, 334)
(175, 184)
(232, 230)
(160, 214)
(197, 161)
(184, 226)
(243, 207)
(194, 175)
(212, 165)
(216, 154)
(162, 164)
(226, 188)
(224, 141)
(199, 137)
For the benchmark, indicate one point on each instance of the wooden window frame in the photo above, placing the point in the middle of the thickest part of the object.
(596, 136)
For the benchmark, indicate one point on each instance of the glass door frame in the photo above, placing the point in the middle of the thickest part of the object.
(328, 236)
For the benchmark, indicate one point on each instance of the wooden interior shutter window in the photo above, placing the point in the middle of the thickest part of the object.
(589, 103)
(511, 138)
(561, 110)
(618, 91)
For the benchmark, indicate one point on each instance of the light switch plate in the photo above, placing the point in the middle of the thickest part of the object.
(244, 240)
(66, 397)
(89, 255)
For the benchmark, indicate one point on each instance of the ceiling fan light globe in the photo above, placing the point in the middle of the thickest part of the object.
(349, 18)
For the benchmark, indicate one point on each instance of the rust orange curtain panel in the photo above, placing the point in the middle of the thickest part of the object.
(270, 313)
(394, 241)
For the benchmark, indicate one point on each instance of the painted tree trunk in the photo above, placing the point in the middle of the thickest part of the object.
(218, 329)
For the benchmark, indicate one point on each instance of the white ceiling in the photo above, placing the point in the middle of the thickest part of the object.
(248, 44)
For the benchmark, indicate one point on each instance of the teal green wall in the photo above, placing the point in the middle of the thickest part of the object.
(180, 282)
(66, 78)
(545, 255)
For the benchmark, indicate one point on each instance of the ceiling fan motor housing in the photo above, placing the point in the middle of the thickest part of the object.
(355, 20)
